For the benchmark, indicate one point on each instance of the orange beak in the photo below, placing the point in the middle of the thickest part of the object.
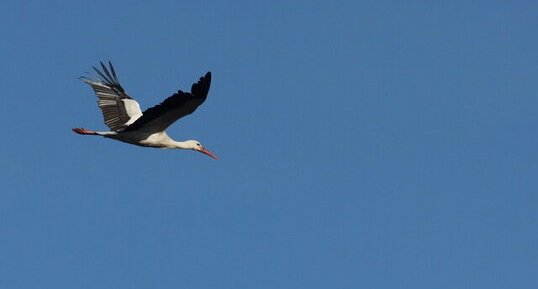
(204, 151)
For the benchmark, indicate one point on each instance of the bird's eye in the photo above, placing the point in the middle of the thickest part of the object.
(198, 144)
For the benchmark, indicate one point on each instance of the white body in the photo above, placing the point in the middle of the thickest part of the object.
(146, 139)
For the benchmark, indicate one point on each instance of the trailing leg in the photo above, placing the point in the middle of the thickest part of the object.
(84, 131)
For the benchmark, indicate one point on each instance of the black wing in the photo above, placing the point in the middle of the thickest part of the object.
(118, 108)
(161, 116)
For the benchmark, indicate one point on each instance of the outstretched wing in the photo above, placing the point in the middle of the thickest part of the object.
(159, 117)
(119, 109)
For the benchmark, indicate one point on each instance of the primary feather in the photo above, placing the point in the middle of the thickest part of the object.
(119, 109)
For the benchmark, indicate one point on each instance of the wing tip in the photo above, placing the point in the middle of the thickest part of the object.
(201, 88)
(105, 76)
(206, 78)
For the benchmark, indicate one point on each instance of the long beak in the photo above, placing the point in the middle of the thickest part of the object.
(204, 151)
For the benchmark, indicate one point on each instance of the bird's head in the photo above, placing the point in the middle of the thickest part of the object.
(197, 146)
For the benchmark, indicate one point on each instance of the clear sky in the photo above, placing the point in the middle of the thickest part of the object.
(363, 144)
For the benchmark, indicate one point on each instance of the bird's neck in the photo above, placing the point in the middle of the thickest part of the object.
(168, 142)
(179, 145)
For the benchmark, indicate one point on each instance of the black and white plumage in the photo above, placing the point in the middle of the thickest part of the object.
(129, 124)
(119, 109)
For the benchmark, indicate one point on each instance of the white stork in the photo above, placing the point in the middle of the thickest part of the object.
(129, 124)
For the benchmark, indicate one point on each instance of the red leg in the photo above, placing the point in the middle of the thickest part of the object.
(84, 131)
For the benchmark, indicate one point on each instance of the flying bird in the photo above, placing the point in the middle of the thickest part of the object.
(129, 124)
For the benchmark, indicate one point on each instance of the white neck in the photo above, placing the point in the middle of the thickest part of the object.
(162, 140)
(180, 145)
(167, 142)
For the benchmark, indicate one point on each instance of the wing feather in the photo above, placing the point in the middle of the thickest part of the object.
(119, 109)
(180, 104)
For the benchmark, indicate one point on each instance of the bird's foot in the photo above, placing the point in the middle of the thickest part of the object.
(84, 131)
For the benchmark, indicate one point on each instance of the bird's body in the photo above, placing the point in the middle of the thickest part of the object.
(147, 129)
(146, 139)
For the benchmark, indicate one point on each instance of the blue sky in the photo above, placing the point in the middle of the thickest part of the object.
(363, 144)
